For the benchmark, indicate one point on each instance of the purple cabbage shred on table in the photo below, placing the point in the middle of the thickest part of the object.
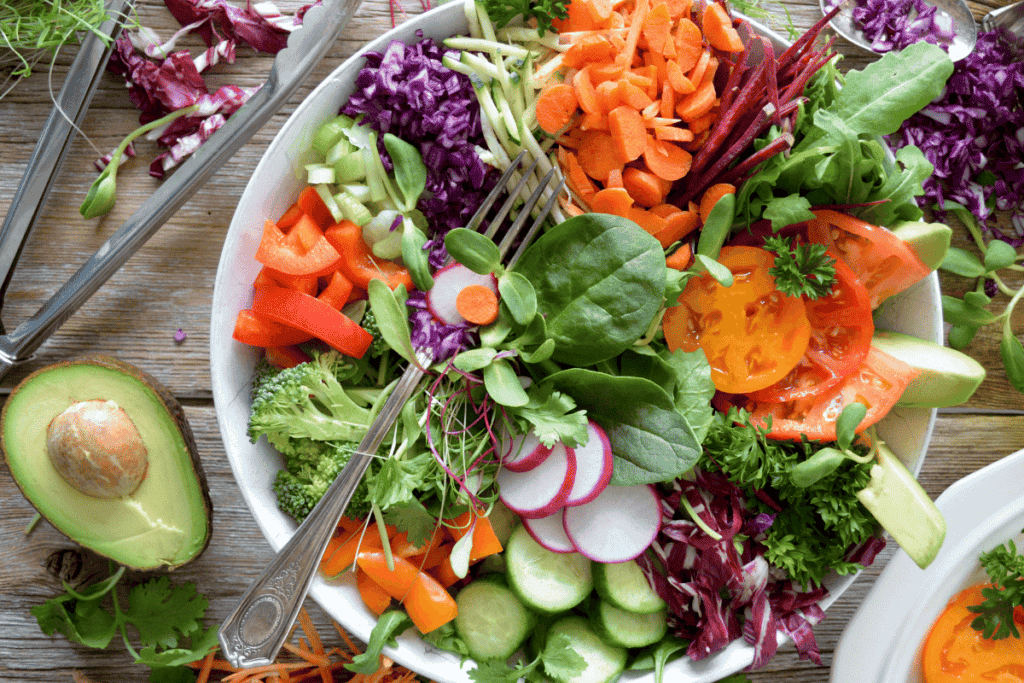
(408, 92)
(973, 135)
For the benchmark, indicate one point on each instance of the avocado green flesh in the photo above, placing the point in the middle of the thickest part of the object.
(930, 241)
(162, 523)
(947, 376)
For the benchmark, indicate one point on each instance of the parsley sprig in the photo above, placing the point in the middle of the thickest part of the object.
(1005, 568)
(801, 270)
(167, 621)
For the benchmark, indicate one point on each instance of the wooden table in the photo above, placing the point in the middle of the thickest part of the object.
(169, 285)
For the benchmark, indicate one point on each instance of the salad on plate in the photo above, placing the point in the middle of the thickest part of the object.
(656, 438)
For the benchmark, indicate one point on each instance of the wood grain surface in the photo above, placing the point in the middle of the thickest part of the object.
(168, 285)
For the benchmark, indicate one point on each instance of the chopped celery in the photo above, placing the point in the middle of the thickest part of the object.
(351, 209)
(329, 133)
(350, 167)
(338, 150)
(319, 174)
(325, 194)
(359, 192)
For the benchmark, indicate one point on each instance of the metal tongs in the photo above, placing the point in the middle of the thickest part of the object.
(307, 45)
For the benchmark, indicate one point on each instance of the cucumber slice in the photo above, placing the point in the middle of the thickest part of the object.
(603, 661)
(625, 586)
(491, 620)
(629, 629)
(546, 581)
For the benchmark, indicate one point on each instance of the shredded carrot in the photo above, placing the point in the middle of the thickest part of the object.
(204, 672)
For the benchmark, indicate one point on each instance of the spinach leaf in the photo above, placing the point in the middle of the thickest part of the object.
(651, 441)
(685, 377)
(599, 281)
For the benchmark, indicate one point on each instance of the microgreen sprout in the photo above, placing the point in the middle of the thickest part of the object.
(103, 193)
(29, 29)
(969, 314)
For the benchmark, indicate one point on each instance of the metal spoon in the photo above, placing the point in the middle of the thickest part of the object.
(965, 29)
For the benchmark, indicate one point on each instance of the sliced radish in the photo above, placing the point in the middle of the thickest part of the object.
(616, 526)
(448, 282)
(593, 466)
(550, 532)
(522, 452)
(542, 490)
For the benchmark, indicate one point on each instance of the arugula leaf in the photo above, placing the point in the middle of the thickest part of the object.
(1005, 568)
(388, 627)
(801, 270)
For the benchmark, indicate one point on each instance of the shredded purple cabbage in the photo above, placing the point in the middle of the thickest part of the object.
(719, 590)
(408, 92)
(895, 24)
(974, 134)
(428, 332)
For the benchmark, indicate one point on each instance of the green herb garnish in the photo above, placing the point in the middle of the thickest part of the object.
(30, 29)
(1005, 568)
(802, 269)
(503, 11)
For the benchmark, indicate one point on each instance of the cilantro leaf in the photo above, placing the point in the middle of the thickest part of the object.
(86, 623)
(414, 519)
(801, 270)
(161, 613)
(502, 12)
(554, 416)
(1005, 568)
(560, 660)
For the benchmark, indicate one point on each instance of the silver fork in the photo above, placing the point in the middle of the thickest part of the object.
(255, 630)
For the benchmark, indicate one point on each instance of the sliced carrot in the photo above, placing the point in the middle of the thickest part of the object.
(650, 222)
(397, 581)
(633, 96)
(578, 178)
(673, 134)
(346, 553)
(428, 604)
(718, 29)
(592, 47)
(696, 74)
(629, 135)
(666, 160)
(485, 541)
(600, 10)
(668, 100)
(609, 71)
(556, 106)
(703, 123)
(679, 8)
(608, 95)
(643, 187)
(613, 200)
(680, 83)
(614, 178)
(586, 95)
(597, 155)
(478, 304)
(374, 596)
(681, 258)
(657, 26)
(594, 121)
(336, 541)
(692, 107)
(677, 226)
(689, 44)
(711, 197)
(580, 19)
(709, 73)
(658, 61)
(665, 210)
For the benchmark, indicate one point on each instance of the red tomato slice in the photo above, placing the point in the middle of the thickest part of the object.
(878, 383)
(882, 261)
(307, 313)
(295, 253)
(841, 330)
(752, 335)
(258, 331)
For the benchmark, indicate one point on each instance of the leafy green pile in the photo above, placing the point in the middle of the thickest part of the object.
(820, 517)
(29, 29)
(502, 12)
(167, 621)
(1005, 568)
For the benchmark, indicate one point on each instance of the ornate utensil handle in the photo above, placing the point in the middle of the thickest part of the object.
(254, 632)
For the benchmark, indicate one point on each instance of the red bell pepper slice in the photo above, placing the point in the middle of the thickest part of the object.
(258, 331)
(296, 253)
(307, 313)
(286, 356)
(311, 204)
(357, 261)
(309, 284)
(337, 291)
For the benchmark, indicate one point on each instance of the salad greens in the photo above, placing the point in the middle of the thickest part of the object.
(1005, 569)
(167, 621)
(502, 12)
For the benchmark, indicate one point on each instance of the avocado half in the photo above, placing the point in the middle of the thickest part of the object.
(166, 521)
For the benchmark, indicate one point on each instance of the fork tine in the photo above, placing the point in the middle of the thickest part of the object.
(524, 214)
(528, 237)
(513, 197)
(492, 197)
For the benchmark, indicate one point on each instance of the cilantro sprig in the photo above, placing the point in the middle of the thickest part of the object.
(167, 622)
(1005, 568)
(503, 11)
(802, 269)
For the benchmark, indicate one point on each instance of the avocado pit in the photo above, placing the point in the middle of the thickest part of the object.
(95, 447)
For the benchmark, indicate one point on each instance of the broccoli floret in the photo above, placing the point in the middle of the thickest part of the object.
(303, 482)
(378, 347)
(307, 401)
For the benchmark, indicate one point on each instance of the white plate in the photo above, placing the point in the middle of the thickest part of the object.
(274, 185)
(882, 640)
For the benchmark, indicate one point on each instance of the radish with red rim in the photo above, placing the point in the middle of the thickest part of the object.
(616, 526)
(448, 282)
(542, 490)
(522, 452)
(549, 532)
(594, 466)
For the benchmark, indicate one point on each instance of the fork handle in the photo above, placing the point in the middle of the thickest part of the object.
(256, 629)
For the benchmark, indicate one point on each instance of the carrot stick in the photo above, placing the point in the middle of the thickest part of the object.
(478, 304)
(556, 106)
(639, 17)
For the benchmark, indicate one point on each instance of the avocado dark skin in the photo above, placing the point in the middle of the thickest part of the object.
(163, 520)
